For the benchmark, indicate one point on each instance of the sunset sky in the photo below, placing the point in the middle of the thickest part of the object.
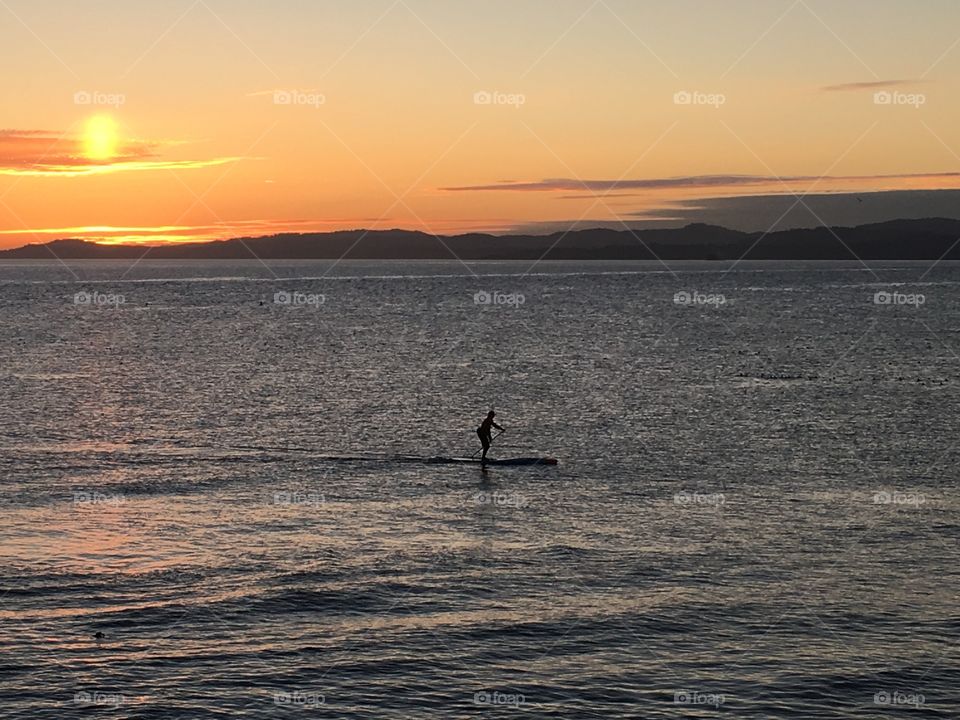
(203, 119)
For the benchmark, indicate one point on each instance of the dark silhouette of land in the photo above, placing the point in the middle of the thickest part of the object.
(929, 239)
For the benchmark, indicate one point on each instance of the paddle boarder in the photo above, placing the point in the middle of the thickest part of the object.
(484, 432)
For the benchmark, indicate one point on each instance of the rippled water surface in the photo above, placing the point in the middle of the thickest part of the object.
(755, 513)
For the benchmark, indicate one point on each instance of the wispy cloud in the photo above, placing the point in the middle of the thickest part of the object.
(869, 85)
(43, 153)
(588, 187)
(568, 184)
(758, 213)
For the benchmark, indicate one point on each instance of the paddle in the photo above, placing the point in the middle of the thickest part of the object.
(491, 443)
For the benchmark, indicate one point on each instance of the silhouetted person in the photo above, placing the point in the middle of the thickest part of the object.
(484, 432)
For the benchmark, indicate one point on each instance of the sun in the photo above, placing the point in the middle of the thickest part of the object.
(100, 138)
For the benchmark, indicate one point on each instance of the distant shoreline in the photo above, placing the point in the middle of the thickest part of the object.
(926, 239)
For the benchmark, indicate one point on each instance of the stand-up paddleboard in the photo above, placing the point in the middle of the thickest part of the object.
(502, 461)
(436, 460)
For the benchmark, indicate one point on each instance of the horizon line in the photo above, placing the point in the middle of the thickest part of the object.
(624, 229)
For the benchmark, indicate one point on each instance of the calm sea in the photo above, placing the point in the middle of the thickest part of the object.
(217, 466)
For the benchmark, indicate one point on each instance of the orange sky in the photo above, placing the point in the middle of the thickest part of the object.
(179, 120)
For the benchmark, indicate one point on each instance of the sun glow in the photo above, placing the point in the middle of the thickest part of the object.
(100, 138)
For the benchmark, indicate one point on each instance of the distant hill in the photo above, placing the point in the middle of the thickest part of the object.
(928, 239)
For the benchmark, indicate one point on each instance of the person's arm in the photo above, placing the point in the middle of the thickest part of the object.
(498, 427)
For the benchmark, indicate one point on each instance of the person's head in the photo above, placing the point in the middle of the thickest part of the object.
(491, 414)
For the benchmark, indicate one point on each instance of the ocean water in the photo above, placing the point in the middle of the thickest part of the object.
(755, 514)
